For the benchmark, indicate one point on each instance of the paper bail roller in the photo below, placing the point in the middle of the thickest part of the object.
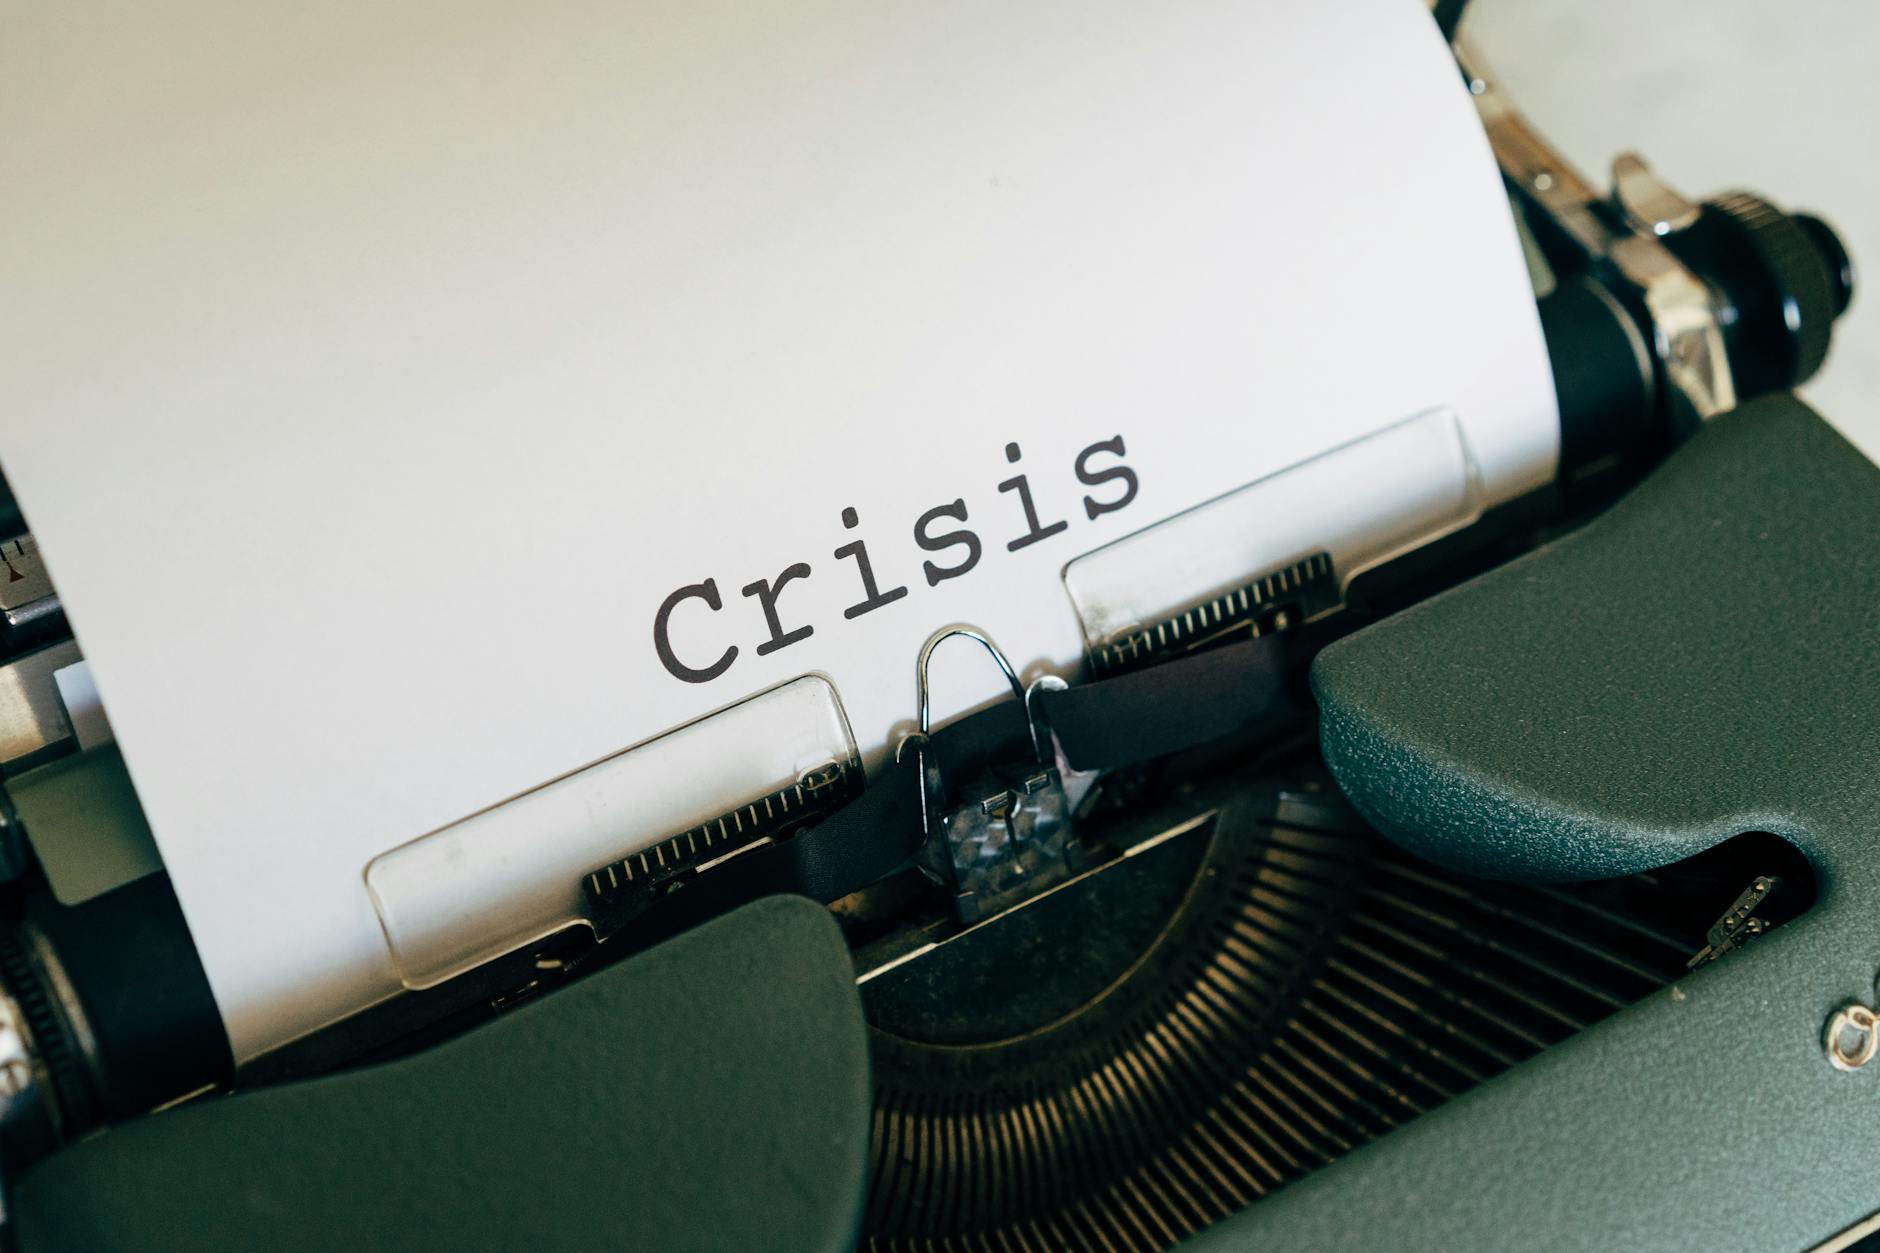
(1421, 482)
(513, 874)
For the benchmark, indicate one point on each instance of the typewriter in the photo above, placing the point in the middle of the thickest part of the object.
(1518, 892)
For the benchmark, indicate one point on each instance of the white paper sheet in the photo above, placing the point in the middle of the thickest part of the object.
(375, 372)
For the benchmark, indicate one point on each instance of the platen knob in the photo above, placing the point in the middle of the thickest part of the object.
(1781, 280)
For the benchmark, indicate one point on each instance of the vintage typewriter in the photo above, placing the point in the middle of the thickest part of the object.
(1429, 908)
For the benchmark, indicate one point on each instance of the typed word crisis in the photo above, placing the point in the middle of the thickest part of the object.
(953, 551)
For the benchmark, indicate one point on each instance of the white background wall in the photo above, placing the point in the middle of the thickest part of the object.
(1778, 97)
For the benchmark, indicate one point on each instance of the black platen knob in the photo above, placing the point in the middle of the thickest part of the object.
(1781, 281)
(1840, 265)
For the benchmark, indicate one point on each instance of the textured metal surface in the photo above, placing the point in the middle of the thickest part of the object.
(1701, 660)
(1316, 989)
(709, 1094)
(1706, 1116)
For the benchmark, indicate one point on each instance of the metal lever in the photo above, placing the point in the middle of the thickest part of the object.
(1650, 206)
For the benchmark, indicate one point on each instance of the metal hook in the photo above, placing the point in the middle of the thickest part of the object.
(923, 713)
(922, 709)
(1043, 742)
(1007, 834)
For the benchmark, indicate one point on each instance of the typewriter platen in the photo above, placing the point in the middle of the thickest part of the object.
(1295, 920)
